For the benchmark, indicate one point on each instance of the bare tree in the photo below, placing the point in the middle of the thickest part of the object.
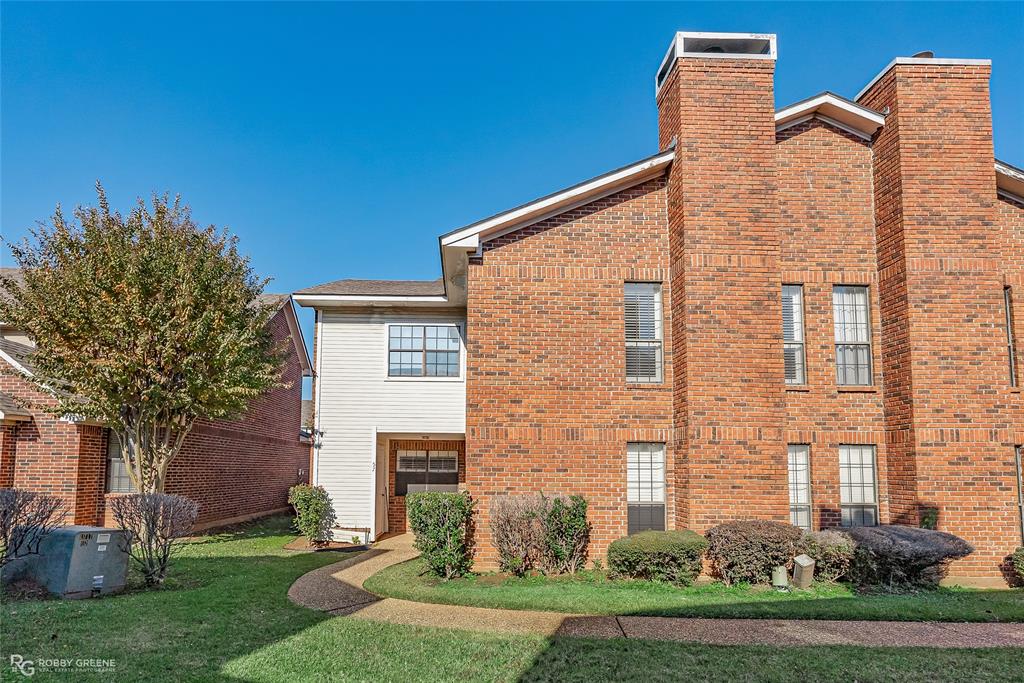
(152, 522)
(25, 518)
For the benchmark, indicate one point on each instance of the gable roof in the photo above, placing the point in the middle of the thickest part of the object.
(379, 288)
(17, 356)
(10, 410)
(833, 109)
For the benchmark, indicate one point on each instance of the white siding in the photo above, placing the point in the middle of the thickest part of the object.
(357, 400)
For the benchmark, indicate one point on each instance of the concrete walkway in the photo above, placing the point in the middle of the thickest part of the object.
(338, 589)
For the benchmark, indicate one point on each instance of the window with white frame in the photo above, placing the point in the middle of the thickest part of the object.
(118, 480)
(1011, 350)
(800, 485)
(645, 486)
(793, 334)
(412, 461)
(423, 351)
(1019, 450)
(643, 332)
(851, 313)
(858, 493)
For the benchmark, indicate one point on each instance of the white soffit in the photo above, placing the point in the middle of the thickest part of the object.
(922, 61)
(836, 110)
(470, 236)
(1010, 180)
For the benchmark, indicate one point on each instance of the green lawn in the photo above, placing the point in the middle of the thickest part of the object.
(225, 616)
(591, 593)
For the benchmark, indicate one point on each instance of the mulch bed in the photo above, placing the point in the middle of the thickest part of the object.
(302, 544)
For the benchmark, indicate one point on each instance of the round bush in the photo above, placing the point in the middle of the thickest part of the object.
(893, 555)
(441, 523)
(1017, 562)
(314, 512)
(672, 556)
(748, 550)
(832, 552)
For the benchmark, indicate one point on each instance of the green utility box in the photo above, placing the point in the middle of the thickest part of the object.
(79, 562)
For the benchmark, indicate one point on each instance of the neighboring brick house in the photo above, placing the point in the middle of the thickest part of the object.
(799, 314)
(235, 470)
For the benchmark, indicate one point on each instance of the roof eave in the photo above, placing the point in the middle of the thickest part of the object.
(565, 200)
(832, 109)
(1010, 180)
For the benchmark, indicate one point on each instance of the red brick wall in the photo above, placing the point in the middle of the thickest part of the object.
(911, 214)
(396, 504)
(825, 206)
(942, 262)
(45, 453)
(724, 244)
(232, 468)
(547, 405)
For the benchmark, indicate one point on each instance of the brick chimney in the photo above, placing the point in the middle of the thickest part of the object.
(715, 94)
(949, 423)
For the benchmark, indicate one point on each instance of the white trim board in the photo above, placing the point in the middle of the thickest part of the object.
(553, 204)
(839, 112)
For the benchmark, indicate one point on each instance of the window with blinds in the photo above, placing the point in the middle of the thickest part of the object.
(645, 486)
(793, 334)
(1011, 349)
(851, 313)
(426, 470)
(643, 332)
(117, 472)
(858, 497)
(800, 485)
(423, 351)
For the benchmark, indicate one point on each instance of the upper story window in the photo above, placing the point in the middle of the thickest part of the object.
(117, 472)
(423, 351)
(643, 332)
(851, 311)
(793, 334)
(1011, 349)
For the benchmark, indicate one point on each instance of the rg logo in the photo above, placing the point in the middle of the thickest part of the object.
(25, 666)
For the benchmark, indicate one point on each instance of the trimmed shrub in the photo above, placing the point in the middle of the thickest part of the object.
(1017, 562)
(517, 531)
(441, 523)
(672, 556)
(832, 552)
(896, 556)
(314, 512)
(566, 534)
(748, 550)
(152, 522)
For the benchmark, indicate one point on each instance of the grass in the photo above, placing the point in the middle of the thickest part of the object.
(224, 615)
(592, 593)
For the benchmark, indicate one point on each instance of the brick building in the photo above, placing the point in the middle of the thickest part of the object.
(801, 313)
(235, 470)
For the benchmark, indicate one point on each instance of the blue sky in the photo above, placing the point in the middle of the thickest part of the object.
(340, 140)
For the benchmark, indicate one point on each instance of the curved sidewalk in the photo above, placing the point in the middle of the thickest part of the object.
(338, 589)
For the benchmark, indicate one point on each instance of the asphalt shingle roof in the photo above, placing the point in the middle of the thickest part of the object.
(379, 288)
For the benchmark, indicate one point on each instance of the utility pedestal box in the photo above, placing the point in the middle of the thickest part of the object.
(80, 561)
(803, 571)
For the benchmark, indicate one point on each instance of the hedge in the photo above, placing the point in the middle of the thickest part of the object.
(672, 556)
(441, 523)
